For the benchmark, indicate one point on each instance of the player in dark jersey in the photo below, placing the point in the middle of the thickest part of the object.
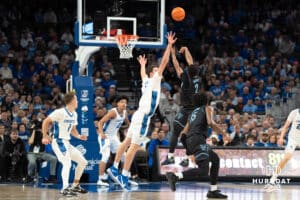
(196, 131)
(190, 84)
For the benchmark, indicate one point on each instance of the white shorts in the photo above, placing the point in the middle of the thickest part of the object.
(293, 142)
(66, 152)
(138, 128)
(111, 142)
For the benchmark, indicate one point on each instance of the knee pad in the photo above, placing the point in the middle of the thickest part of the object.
(202, 153)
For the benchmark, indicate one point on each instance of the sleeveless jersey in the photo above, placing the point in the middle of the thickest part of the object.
(198, 122)
(189, 86)
(112, 126)
(63, 121)
(294, 117)
(150, 94)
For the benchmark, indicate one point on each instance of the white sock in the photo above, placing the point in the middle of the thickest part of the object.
(170, 155)
(125, 173)
(102, 177)
(179, 175)
(213, 187)
(75, 184)
(116, 165)
(273, 178)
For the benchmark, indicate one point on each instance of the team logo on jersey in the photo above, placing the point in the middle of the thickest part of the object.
(81, 148)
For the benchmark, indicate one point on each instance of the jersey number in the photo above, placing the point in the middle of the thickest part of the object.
(194, 114)
(196, 85)
(69, 127)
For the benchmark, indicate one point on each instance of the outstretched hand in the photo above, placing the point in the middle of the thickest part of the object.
(171, 37)
(142, 59)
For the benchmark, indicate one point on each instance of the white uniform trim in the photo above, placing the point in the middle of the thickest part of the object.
(147, 105)
(294, 132)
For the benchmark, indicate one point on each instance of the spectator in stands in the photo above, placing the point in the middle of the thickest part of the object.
(272, 121)
(165, 126)
(216, 90)
(106, 82)
(5, 70)
(250, 107)
(246, 94)
(272, 141)
(5, 120)
(237, 137)
(159, 141)
(214, 140)
(250, 141)
(285, 45)
(262, 74)
(240, 39)
(263, 139)
(245, 130)
(15, 156)
(261, 108)
(23, 134)
(239, 106)
(169, 110)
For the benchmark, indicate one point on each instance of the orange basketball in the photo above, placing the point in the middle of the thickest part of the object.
(178, 14)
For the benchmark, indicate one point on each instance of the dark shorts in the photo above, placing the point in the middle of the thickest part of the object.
(192, 142)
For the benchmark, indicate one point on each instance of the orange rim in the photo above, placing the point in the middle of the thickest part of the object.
(123, 39)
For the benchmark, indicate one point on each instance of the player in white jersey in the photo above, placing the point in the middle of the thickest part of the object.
(64, 121)
(108, 139)
(141, 118)
(292, 124)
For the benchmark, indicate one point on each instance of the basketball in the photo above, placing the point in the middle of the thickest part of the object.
(178, 14)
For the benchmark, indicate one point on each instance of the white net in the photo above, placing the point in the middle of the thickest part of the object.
(126, 44)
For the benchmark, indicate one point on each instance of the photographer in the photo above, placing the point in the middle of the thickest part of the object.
(15, 156)
(37, 152)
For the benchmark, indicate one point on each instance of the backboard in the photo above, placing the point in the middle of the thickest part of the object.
(99, 21)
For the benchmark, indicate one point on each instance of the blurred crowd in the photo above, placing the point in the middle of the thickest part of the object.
(247, 52)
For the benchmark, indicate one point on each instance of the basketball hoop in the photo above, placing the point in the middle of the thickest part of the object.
(126, 44)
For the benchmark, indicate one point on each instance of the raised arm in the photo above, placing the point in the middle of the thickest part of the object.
(175, 62)
(166, 56)
(187, 55)
(143, 61)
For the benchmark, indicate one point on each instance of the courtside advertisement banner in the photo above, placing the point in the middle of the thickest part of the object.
(240, 162)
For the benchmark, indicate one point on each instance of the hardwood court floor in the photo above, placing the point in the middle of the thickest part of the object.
(149, 191)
